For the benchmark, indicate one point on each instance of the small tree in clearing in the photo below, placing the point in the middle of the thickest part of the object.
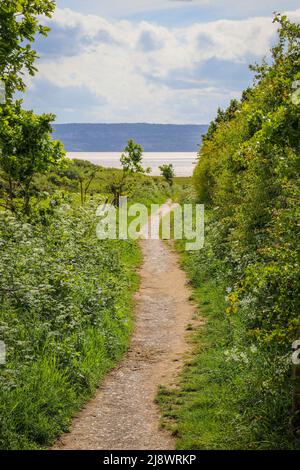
(131, 158)
(131, 161)
(167, 171)
(84, 172)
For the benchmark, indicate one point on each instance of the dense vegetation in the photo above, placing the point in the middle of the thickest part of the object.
(238, 390)
(65, 317)
(66, 297)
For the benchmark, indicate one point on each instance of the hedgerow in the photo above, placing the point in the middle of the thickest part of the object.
(252, 163)
(248, 177)
(65, 317)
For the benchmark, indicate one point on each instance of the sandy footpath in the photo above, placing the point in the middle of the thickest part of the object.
(123, 414)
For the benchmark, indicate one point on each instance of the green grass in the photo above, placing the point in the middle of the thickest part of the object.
(66, 311)
(195, 411)
(45, 395)
(66, 303)
(183, 180)
(223, 399)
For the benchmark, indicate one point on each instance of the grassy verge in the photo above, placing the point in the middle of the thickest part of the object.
(194, 411)
(230, 395)
(66, 302)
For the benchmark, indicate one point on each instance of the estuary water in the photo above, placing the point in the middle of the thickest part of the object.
(183, 162)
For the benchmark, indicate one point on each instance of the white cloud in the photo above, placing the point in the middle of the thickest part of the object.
(136, 66)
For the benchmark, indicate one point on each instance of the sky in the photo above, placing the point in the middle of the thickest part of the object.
(155, 61)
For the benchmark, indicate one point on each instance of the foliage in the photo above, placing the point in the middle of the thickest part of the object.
(248, 176)
(20, 21)
(27, 149)
(66, 298)
(85, 173)
(231, 394)
(66, 301)
(131, 161)
(167, 171)
(64, 182)
(65, 316)
(249, 170)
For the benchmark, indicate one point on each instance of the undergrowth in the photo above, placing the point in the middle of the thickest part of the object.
(65, 316)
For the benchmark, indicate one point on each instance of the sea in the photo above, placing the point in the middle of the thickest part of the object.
(183, 162)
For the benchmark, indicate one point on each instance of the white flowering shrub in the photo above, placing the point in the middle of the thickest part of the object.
(64, 317)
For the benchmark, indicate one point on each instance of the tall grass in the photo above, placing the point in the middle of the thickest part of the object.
(230, 394)
(65, 316)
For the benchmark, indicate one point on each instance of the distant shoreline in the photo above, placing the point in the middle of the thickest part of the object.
(183, 162)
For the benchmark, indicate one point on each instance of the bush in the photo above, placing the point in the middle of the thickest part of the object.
(65, 316)
(248, 175)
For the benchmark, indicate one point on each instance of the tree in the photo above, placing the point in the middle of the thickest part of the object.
(131, 161)
(167, 171)
(26, 146)
(223, 116)
(26, 149)
(85, 181)
(85, 172)
(19, 24)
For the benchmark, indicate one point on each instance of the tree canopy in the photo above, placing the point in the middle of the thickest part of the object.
(20, 22)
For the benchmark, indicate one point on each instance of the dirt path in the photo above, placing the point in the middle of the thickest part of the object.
(123, 414)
